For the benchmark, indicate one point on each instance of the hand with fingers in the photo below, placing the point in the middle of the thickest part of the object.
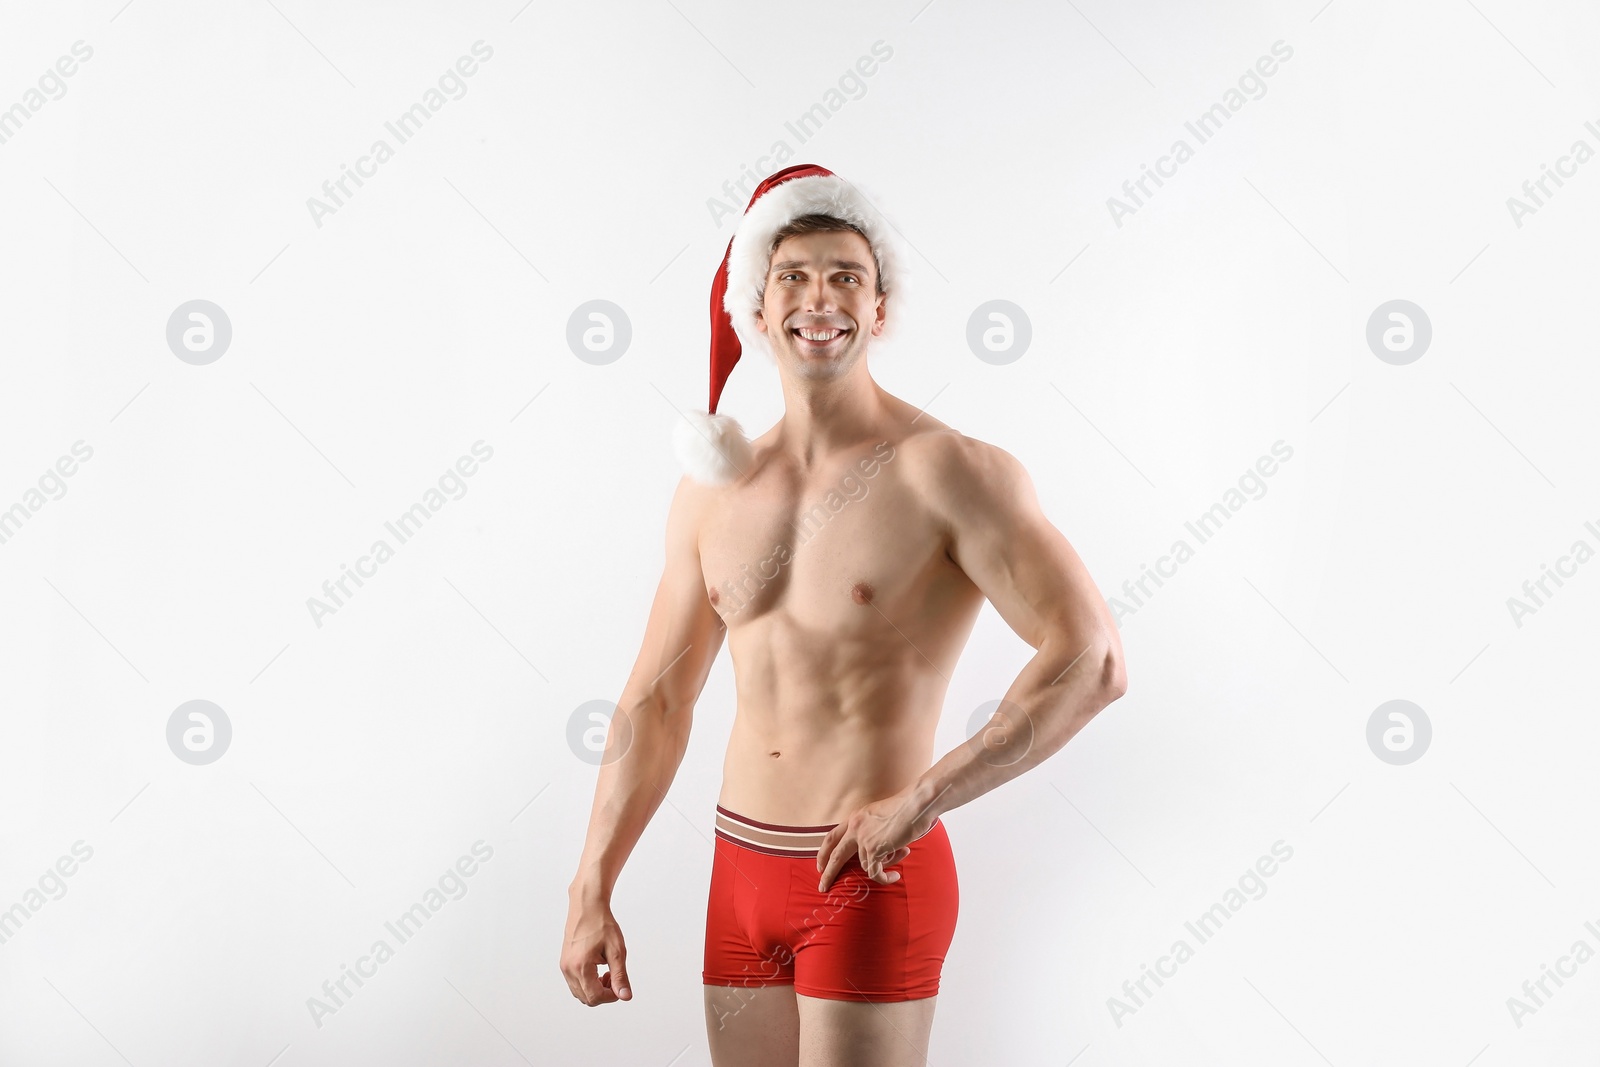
(879, 835)
(592, 938)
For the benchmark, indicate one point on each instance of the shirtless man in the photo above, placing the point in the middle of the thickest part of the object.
(833, 889)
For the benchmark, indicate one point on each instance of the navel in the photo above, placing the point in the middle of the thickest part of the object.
(774, 755)
(861, 593)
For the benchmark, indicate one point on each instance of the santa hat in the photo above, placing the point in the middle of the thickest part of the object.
(713, 448)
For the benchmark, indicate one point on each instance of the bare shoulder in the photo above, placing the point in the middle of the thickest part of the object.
(954, 472)
(692, 495)
(691, 501)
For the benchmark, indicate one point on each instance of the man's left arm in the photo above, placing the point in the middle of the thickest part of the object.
(1002, 540)
(997, 535)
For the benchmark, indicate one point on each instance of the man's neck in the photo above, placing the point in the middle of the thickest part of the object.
(821, 417)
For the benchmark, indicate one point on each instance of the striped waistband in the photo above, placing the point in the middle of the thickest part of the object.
(772, 839)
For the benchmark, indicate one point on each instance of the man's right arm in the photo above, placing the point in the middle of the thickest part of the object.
(650, 730)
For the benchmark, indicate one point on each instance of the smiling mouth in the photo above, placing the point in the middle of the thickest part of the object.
(818, 339)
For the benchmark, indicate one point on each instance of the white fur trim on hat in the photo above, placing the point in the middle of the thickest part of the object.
(711, 448)
(751, 254)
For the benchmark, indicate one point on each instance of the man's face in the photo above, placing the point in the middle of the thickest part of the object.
(824, 285)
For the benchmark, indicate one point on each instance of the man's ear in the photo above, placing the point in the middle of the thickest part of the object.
(880, 314)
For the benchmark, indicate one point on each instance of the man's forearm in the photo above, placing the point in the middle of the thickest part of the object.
(629, 790)
(1054, 697)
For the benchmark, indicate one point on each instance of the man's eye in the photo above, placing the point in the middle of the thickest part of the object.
(852, 277)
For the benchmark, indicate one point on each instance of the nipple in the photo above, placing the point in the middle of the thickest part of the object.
(861, 593)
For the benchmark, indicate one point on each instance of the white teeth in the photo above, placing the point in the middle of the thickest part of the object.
(820, 335)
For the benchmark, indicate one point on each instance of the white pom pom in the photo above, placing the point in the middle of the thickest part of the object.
(711, 448)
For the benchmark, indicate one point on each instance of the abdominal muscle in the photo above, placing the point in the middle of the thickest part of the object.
(821, 731)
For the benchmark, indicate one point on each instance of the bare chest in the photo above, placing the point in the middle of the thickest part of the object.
(830, 552)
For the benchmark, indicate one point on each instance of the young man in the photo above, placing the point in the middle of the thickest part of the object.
(845, 555)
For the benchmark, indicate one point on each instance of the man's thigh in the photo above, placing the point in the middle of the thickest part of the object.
(856, 1033)
(752, 1026)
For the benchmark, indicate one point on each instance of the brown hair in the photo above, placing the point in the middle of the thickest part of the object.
(825, 224)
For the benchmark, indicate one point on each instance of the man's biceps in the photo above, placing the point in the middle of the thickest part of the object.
(690, 617)
(1042, 575)
(674, 663)
(688, 600)
(1009, 553)
(680, 620)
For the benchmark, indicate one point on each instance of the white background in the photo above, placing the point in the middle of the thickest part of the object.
(431, 710)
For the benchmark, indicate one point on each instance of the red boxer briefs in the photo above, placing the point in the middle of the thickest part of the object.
(766, 923)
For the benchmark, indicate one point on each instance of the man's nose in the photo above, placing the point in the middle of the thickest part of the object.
(819, 297)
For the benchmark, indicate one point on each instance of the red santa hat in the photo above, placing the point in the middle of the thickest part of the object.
(713, 448)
